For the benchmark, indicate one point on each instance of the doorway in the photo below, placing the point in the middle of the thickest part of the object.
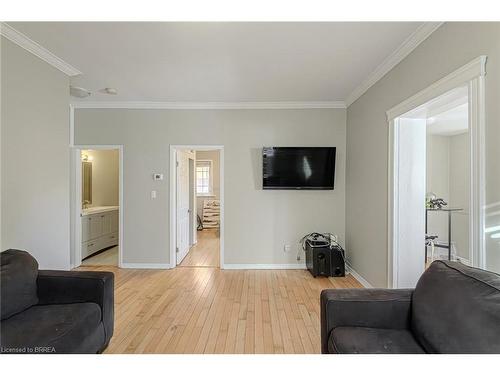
(97, 206)
(197, 206)
(433, 182)
(436, 178)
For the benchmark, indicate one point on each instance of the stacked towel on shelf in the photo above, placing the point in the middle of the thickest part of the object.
(211, 213)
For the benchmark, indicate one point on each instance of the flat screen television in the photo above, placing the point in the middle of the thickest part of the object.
(298, 168)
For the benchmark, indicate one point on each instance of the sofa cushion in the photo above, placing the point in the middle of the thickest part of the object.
(365, 340)
(18, 274)
(69, 328)
(456, 309)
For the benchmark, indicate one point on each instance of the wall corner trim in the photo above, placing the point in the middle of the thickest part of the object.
(36, 49)
(412, 42)
(358, 277)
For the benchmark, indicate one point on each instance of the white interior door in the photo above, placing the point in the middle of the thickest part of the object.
(183, 206)
(410, 156)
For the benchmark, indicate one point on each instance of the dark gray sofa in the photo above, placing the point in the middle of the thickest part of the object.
(453, 309)
(53, 311)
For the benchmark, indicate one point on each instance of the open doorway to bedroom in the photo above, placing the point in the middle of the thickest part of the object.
(197, 206)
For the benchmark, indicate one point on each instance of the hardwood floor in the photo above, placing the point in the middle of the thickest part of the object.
(208, 310)
(106, 258)
(206, 252)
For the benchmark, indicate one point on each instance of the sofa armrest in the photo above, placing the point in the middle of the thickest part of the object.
(59, 287)
(375, 308)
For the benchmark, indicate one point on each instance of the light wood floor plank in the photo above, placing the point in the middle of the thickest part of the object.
(208, 310)
(205, 253)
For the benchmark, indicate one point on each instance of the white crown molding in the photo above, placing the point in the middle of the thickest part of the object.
(208, 105)
(412, 42)
(36, 49)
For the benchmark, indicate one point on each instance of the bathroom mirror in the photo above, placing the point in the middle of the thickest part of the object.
(87, 183)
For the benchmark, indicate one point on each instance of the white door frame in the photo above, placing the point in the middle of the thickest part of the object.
(173, 197)
(193, 236)
(471, 75)
(76, 188)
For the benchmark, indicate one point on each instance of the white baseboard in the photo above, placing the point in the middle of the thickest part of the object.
(358, 277)
(163, 266)
(463, 260)
(291, 266)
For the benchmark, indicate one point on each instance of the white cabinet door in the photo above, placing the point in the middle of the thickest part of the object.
(95, 224)
(99, 231)
(106, 223)
(85, 229)
(114, 221)
(182, 205)
(89, 248)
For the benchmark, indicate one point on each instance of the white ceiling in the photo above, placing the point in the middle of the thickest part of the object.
(220, 62)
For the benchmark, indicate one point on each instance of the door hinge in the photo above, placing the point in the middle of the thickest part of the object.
(176, 249)
(176, 163)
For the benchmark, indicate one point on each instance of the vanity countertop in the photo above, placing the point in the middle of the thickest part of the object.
(98, 210)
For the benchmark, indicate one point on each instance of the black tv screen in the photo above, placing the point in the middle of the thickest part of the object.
(298, 168)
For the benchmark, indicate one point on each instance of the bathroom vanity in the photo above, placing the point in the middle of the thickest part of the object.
(99, 229)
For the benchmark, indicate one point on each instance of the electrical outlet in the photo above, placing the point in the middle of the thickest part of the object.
(287, 248)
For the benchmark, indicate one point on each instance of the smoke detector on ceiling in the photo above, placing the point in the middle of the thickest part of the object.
(109, 91)
(79, 92)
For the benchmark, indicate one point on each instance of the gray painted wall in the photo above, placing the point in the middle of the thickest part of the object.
(35, 157)
(257, 223)
(460, 191)
(448, 48)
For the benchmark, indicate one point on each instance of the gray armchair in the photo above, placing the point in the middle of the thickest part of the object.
(453, 309)
(53, 311)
